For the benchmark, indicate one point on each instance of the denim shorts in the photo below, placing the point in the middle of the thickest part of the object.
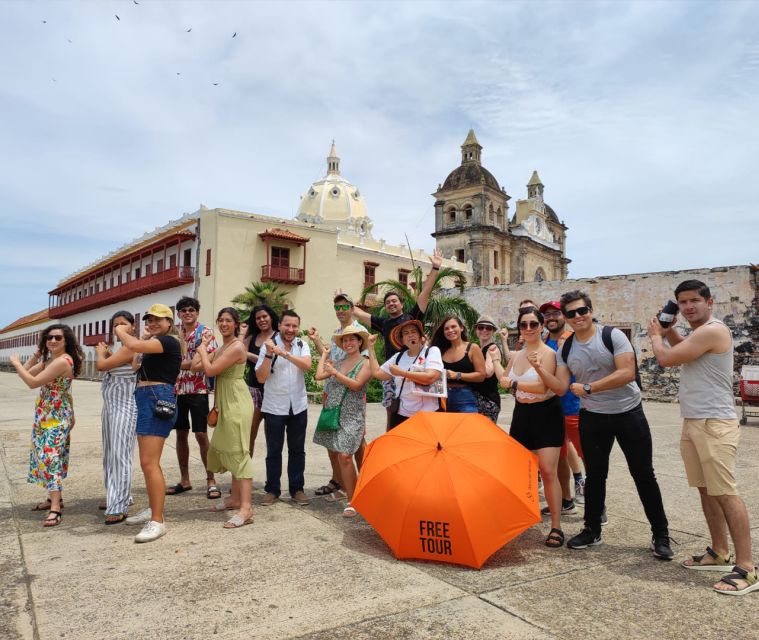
(149, 424)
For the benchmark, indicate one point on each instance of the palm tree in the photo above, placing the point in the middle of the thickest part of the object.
(261, 293)
(439, 305)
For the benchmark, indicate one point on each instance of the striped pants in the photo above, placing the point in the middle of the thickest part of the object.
(119, 419)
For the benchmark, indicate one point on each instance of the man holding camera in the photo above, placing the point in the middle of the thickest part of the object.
(710, 432)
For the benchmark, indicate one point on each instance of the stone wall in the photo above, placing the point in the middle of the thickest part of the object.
(628, 301)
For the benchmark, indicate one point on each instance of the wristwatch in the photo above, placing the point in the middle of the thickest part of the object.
(586, 388)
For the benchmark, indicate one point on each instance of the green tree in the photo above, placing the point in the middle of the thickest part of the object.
(261, 293)
(439, 305)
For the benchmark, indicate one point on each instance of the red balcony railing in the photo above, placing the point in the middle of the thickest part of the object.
(166, 279)
(96, 338)
(285, 275)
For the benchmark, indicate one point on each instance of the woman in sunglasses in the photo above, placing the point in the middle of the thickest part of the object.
(162, 352)
(538, 421)
(56, 362)
(463, 362)
(264, 323)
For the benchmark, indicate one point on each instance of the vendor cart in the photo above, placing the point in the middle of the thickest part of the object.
(749, 392)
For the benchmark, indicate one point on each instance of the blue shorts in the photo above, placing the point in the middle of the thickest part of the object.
(149, 424)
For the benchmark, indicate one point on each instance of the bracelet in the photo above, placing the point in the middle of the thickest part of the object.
(436, 268)
(268, 356)
(458, 375)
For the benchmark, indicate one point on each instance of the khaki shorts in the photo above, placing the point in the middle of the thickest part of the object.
(708, 448)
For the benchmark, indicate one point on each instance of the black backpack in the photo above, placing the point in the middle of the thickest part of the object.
(609, 344)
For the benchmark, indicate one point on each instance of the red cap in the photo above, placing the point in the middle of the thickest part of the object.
(552, 304)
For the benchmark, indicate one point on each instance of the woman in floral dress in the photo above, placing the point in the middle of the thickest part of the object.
(56, 362)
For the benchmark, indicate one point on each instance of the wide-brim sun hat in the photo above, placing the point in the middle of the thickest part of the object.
(159, 311)
(362, 334)
(395, 334)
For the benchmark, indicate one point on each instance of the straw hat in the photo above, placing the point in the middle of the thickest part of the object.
(484, 319)
(159, 311)
(395, 333)
(352, 330)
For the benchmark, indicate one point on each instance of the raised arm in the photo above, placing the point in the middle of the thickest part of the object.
(56, 368)
(556, 380)
(34, 363)
(135, 344)
(423, 299)
(221, 360)
(377, 371)
(313, 334)
(107, 360)
(705, 339)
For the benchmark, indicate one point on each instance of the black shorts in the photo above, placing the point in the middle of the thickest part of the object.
(192, 406)
(538, 425)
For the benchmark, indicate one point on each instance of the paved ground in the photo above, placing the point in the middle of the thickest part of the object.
(309, 573)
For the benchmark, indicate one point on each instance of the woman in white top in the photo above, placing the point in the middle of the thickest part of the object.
(409, 337)
(538, 421)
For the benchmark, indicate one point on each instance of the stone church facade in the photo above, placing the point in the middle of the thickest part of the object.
(473, 222)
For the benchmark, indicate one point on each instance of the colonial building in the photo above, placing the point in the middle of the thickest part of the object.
(472, 222)
(213, 254)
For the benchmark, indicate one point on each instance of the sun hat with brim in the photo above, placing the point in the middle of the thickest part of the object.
(362, 334)
(486, 320)
(395, 334)
(159, 311)
(551, 304)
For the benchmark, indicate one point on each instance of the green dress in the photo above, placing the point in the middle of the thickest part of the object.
(231, 437)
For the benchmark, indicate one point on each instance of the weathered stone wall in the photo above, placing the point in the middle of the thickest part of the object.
(628, 301)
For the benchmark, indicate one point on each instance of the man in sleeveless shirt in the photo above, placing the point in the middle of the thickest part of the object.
(710, 432)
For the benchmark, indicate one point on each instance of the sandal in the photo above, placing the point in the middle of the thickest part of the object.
(221, 506)
(115, 518)
(336, 496)
(54, 521)
(213, 493)
(739, 573)
(236, 521)
(555, 539)
(328, 488)
(44, 506)
(721, 563)
(349, 512)
(177, 489)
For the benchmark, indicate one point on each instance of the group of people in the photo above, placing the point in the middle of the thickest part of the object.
(576, 393)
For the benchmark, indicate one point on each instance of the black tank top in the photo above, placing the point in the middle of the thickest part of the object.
(251, 377)
(464, 365)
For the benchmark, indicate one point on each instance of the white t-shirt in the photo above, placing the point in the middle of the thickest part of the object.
(412, 403)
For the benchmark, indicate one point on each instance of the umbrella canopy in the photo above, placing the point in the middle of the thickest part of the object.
(450, 487)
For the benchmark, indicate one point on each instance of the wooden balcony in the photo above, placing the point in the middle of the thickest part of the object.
(95, 339)
(166, 279)
(285, 275)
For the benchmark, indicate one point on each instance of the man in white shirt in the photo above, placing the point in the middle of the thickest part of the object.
(281, 366)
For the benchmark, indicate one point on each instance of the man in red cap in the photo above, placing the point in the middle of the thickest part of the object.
(570, 404)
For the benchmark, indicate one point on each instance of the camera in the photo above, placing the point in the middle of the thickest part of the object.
(164, 409)
(667, 314)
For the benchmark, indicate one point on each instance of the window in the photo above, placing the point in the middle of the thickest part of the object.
(495, 260)
(159, 266)
(403, 276)
(468, 211)
(187, 259)
(148, 269)
(451, 215)
(208, 262)
(540, 275)
(280, 257)
(370, 269)
(460, 255)
(172, 261)
(137, 273)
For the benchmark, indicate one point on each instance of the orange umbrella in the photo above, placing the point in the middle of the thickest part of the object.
(450, 487)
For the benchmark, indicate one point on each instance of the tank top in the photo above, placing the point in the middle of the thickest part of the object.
(464, 365)
(489, 386)
(251, 380)
(706, 385)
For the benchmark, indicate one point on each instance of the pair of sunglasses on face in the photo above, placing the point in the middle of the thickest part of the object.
(54, 338)
(342, 307)
(188, 310)
(582, 311)
(533, 324)
(484, 327)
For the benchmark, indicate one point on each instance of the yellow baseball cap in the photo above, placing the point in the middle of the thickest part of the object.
(160, 311)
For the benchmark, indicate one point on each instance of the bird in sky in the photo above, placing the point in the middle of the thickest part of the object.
(117, 18)
(179, 74)
(135, 1)
(215, 84)
(188, 30)
(68, 40)
(44, 22)
(234, 35)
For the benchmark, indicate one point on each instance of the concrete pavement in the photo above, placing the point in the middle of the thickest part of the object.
(306, 572)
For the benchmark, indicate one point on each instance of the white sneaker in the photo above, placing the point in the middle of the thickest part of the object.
(151, 531)
(141, 518)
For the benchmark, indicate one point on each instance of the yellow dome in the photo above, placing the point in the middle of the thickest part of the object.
(332, 198)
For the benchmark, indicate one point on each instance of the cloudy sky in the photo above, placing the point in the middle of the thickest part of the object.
(641, 118)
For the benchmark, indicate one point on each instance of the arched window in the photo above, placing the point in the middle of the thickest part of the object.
(499, 218)
(451, 215)
(468, 211)
(540, 275)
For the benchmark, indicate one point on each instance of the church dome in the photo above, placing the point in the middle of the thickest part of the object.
(469, 175)
(332, 198)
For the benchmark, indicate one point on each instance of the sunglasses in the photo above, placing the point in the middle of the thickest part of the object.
(342, 307)
(54, 338)
(533, 324)
(484, 327)
(583, 311)
(188, 310)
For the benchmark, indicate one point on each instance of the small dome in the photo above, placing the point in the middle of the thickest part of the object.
(333, 197)
(469, 175)
(551, 214)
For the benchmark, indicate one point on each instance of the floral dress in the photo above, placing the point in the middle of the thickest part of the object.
(49, 450)
(350, 434)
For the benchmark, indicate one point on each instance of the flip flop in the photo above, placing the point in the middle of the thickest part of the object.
(44, 506)
(235, 522)
(177, 489)
(336, 496)
(120, 517)
(221, 507)
(213, 489)
(54, 521)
